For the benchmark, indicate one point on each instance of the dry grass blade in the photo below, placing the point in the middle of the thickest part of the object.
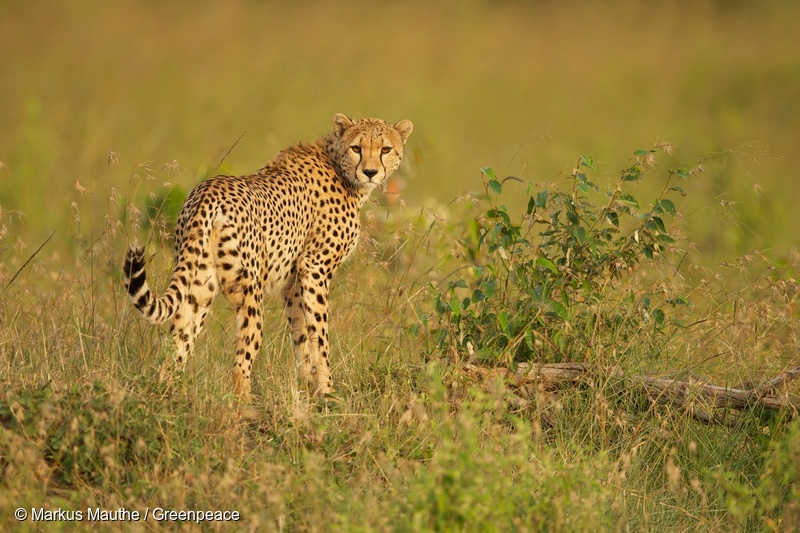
(20, 269)
(224, 157)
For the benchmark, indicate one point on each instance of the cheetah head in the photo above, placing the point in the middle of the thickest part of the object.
(369, 149)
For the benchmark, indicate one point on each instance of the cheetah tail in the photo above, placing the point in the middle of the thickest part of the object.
(156, 310)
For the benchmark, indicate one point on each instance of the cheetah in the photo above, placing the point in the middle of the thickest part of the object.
(285, 228)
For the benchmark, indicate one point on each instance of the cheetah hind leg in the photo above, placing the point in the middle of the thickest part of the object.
(249, 319)
(187, 323)
(184, 338)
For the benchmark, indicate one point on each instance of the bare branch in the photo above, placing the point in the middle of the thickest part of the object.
(678, 392)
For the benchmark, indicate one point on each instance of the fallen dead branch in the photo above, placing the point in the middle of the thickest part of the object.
(693, 395)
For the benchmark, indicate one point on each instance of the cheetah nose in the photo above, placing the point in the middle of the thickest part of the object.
(370, 172)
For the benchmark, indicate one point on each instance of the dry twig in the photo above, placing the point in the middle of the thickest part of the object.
(677, 392)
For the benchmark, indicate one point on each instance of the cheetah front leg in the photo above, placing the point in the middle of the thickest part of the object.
(315, 306)
(293, 307)
(306, 300)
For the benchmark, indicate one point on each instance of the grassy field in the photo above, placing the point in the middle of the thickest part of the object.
(109, 107)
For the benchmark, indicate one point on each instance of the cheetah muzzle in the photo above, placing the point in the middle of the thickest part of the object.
(285, 228)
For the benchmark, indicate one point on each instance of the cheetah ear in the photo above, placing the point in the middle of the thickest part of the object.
(404, 128)
(341, 123)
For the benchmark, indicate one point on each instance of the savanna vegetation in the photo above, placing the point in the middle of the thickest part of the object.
(601, 183)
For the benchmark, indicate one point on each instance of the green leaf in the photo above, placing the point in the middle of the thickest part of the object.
(478, 295)
(461, 284)
(560, 341)
(502, 319)
(586, 161)
(546, 263)
(529, 341)
(613, 218)
(496, 186)
(592, 244)
(631, 176)
(580, 234)
(584, 183)
(499, 213)
(572, 217)
(489, 287)
(489, 173)
(559, 309)
(667, 206)
(455, 307)
(638, 153)
(541, 199)
(659, 224)
(628, 199)
(682, 173)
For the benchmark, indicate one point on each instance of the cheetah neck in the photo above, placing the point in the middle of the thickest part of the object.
(328, 145)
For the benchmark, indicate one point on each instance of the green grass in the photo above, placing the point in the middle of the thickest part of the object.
(109, 107)
(418, 442)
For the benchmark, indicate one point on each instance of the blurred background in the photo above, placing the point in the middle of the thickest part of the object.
(101, 99)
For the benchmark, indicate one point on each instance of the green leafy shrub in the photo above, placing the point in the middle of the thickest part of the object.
(488, 471)
(164, 207)
(772, 503)
(543, 284)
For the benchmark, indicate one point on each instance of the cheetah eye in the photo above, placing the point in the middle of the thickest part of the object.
(356, 149)
(386, 149)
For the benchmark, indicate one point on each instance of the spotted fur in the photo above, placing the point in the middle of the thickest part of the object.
(286, 228)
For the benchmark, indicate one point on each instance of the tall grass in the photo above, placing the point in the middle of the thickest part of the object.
(417, 442)
(112, 108)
